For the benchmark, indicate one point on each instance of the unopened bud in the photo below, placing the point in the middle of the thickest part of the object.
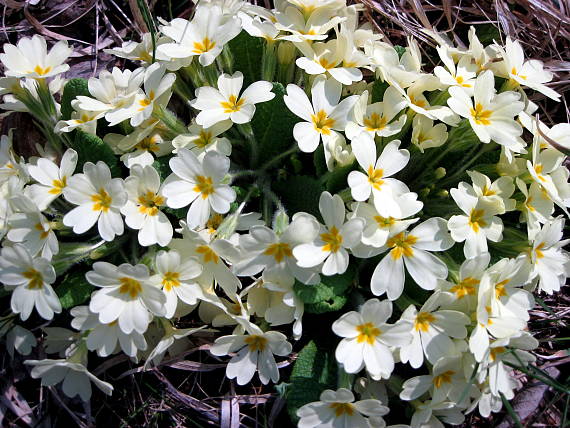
(280, 222)
(286, 53)
(440, 173)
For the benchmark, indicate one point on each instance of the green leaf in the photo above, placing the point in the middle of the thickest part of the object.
(272, 126)
(74, 289)
(327, 296)
(300, 193)
(91, 148)
(314, 371)
(72, 89)
(247, 52)
(378, 89)
(400, 49)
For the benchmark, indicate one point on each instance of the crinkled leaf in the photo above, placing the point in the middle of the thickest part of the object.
(247, 52)
(299, 193)
(72, 89)
(314, 371)
(91, 148)
(378, 89)
(74, 289)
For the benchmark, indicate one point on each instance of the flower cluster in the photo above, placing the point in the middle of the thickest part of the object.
(428, 207)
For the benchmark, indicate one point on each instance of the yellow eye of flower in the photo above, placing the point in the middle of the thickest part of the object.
(375, 122)
(130, 286)
(480, 116)
(36, 280)
(57, 186)
(204, 139)
(500, 289)
(367, 332)
(208, 254)
(445, 377)
(204, 46)
(423, 321)
(232, 104)
(375, 177)
(342, 408)
(150, 144)
(384, 222)
(38, 69)
(465, 287)
(43, 233)
(495, 352)
(102, 201)
(170, 280)
(204, 185)
(402, 245)
(476, 220)
(322, 122)
(149, 203)
(332, 240)
(255, 342)
(279, 251)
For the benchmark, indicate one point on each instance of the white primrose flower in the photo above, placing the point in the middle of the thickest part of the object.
(529, 73)
(433, 331)
(491, 115)
(201, 140)
(112, 90)
(30, 279)
(378, 229)
(157, 92)
(200, 184)
(368, 338)
(413, 250)
(329, 248)
(29, 227)
(254, 352)
(549, 262)
(30, 58)
(265, 250)
(308, 23)
(21, 340)
(491, 323)
(74, 375)
(498, 191)
(446, 382)
(337, 409)
(226, 103)
(51, 179)
(177, 278)
(99, 198)
(323, 116)
(537, 207)
(377, 179)
(204, 36)
(377, 118)
(126, 296)
(106, 339)
(479, 223)
(462, 75)
(211, 255)
(142, 209)
(546, 169)
(337, 58)
(84, 120)
(429, 413)
(426, 135)
(462, 291)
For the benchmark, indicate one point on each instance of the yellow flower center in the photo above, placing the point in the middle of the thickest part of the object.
(538, 169)
(423, 321)
(214, 222)
(461, 82)
(208, 255)
(487, 191)
(101, 201)
(476, 220)
(38, 69)
(480, 116)
(500, 289)
(326, 64)
(204, 185)
(149, 144)
(375, 122)
(145, 102)
(149, 203)
(402, 245)
(204, 139)
(35, 279)
(445, 377)
(130, 286)
(538, 250)
(384, 222)
(514, 72)
(170, 280)
(279, 251)
(232, 104)
(375, 177)
(255, 342)
(43, 232)
(465, 287)
(204, 46)
(332, 240)
(495, 352)
(342, 408)
(367, 332)
(417, 102)
(322, 122)
(57, 186)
